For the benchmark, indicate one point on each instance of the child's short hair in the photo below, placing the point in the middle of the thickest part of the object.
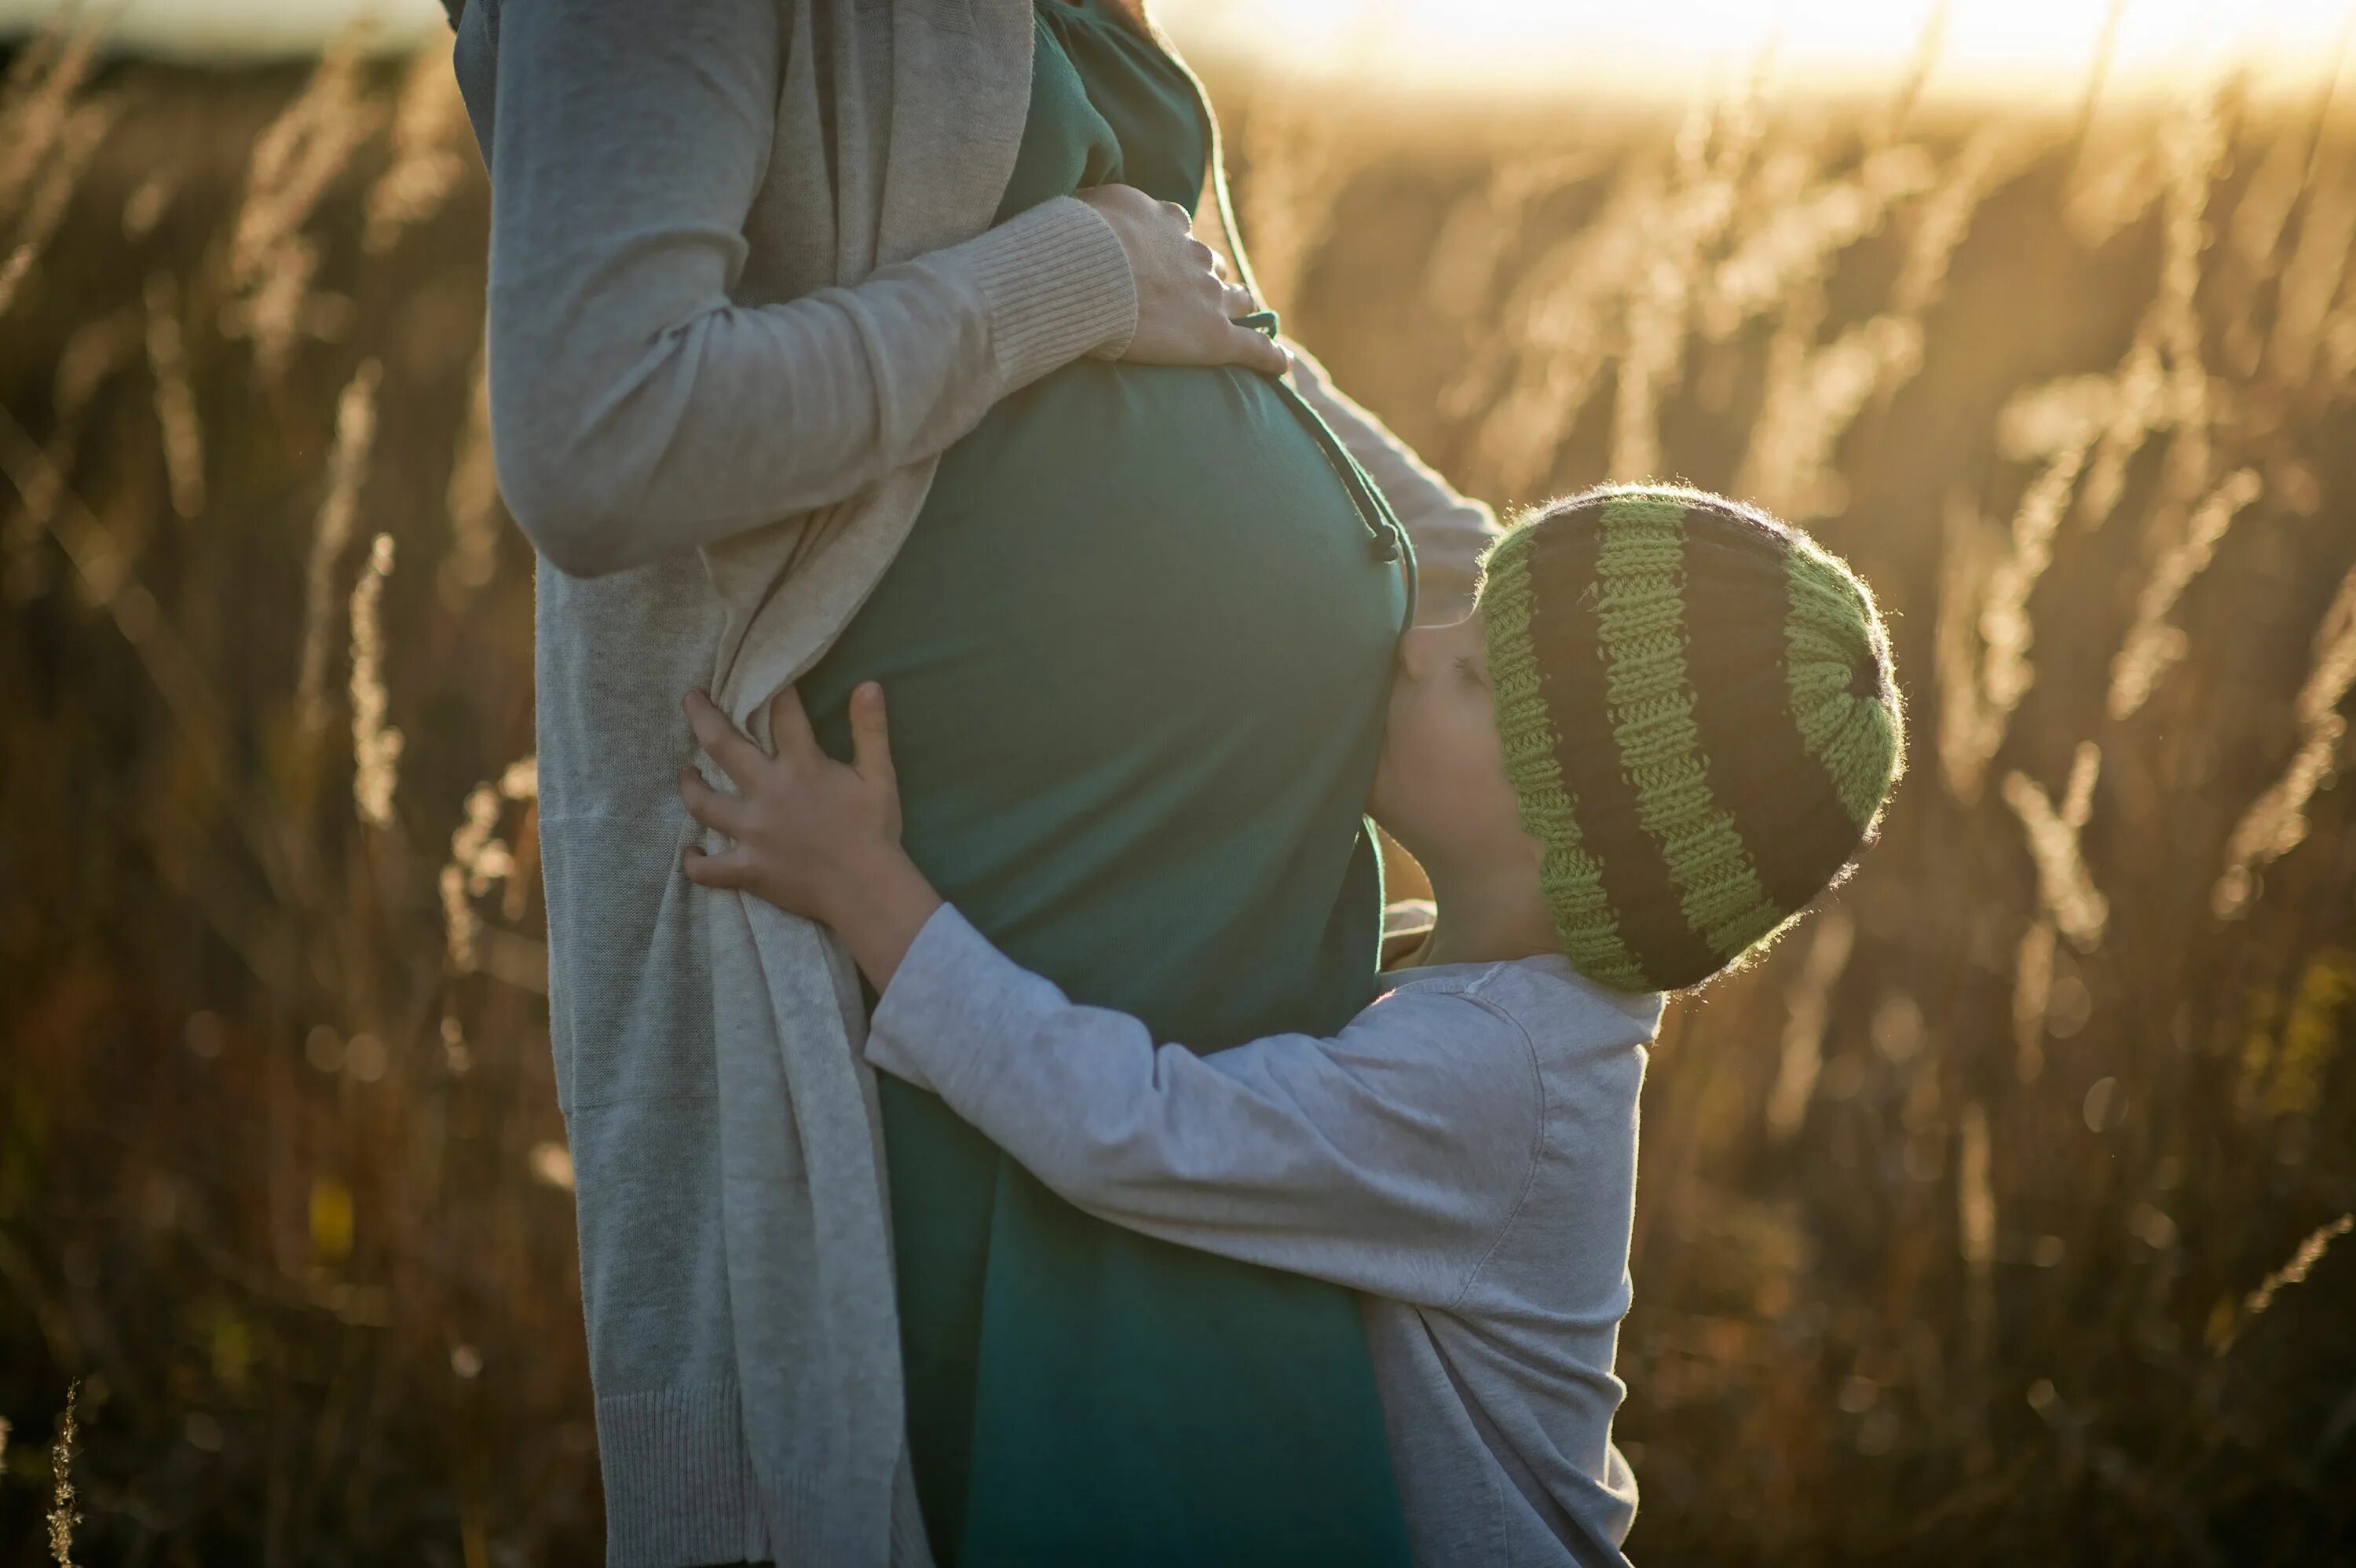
(1700, 719)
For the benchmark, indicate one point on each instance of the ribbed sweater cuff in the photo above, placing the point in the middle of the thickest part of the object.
(1059, 286)
(679, 1480)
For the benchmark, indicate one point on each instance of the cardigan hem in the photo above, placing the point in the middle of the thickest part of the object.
(679, 1479)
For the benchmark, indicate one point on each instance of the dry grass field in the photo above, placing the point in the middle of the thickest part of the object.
(1990, 1219)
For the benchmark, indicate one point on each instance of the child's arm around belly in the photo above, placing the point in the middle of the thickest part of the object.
(1389, 1158)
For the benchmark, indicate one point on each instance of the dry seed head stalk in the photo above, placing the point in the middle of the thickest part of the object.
(1700, 205)
(1298, 154)
(2005, 625)
(1976, 1210)
(473, 501)
(2032, 998)
(98, 348)
(1560, 326)
(2160, 382)
(144, 208)
(2337, 353)
(2140, 401)
(521, 779)
(376, 745)
(478, 859)
(1973, 729)
(2064, 886)
(2275, 822)
(2165, 382)
(474, 849)
(1884, 123)
(2116, 178)
(1813, 395)
(429, 136)
(1797, 242)
(92, 354)
(2311, 280)
(175, 401)
(2152, 646)
(462, 927)
(2193, 155)
(36, 103)
(1969, 730)
(72, 144)
(63, 1517)
(296, 159)
(2120, 191)
(1472, 238)
(2301, 1263)
(1807, 1011)
(2040, 423)
(346, 468)
(1944, 216)
(1789, 467)
(2266, 206)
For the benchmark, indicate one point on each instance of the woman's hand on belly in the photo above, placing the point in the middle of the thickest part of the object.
(1186, 307)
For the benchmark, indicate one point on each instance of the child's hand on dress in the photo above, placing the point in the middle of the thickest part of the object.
(815, 836)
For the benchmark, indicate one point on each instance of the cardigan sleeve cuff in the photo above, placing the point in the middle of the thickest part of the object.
(1059, 286)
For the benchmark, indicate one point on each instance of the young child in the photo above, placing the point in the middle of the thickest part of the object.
(1668, 724)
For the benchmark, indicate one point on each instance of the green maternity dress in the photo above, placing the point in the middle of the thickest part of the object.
(1137, 648)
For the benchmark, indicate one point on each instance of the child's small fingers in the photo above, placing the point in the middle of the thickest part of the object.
(789, 726)
(721, 741)
(871, 734)
(716, 810)
(731, 869)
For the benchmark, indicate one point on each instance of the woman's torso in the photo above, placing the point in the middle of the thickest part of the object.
(1136, 646)
(1138, 642)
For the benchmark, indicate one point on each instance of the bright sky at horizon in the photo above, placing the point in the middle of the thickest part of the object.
(1665, 45)
(1983, 46)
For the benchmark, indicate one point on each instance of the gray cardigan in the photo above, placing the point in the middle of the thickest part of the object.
(1464, 1152)
(742, 294)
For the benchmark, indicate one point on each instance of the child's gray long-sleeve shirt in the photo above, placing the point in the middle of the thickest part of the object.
(1464, 1152)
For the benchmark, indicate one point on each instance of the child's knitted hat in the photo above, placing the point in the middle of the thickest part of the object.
(1700, 720)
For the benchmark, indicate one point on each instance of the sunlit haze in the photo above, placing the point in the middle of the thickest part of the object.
(1981, 46)
(1662, 48)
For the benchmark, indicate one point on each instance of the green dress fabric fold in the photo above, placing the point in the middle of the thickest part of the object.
(1137, 648)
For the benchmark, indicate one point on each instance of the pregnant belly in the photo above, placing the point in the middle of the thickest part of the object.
(1136, 648)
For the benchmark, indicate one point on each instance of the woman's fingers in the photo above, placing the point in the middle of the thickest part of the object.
(871, 735)
(722, 741)
(1185, 302)
(1257, 350)
(789, 725)
(722, 813)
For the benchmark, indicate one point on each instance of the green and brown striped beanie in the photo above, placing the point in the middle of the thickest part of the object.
(1699, 718)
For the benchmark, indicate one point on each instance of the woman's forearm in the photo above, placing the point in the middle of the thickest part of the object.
(638, 409)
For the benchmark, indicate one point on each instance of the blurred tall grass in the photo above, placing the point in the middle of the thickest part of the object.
(1991, 1218)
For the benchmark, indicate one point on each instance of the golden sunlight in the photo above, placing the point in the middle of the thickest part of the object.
(1978, 47)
